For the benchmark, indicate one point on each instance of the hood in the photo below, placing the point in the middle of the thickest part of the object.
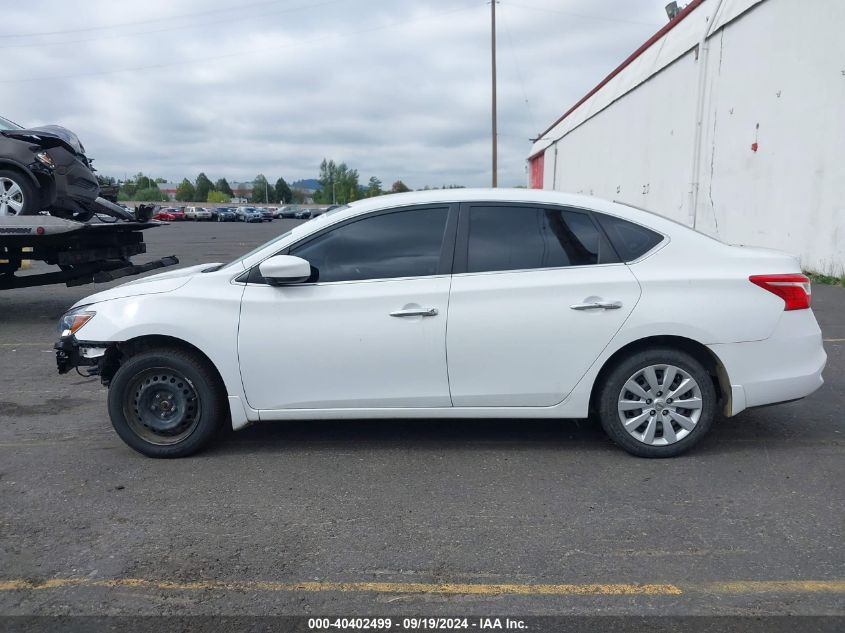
(48, 136)
(154, 284)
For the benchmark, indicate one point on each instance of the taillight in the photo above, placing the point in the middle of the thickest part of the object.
(793, 289)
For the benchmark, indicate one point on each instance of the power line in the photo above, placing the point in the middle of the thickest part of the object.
(495, 140)
(121, 36)
(519, 75)
(239, 53)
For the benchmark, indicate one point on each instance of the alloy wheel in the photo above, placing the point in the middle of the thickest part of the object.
(660, 405)
(11, 197)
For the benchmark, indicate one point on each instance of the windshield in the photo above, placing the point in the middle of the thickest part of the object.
(6, 124)
(255, 250)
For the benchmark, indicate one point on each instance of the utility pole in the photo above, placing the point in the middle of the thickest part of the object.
(493, 51)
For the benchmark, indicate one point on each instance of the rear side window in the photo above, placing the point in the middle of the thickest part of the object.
(518, 238)
(630, 240)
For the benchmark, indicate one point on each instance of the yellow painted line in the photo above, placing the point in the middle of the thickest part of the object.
(834, 340)
(353, 587)
(488, 589)
(776, 586)
(51, 583)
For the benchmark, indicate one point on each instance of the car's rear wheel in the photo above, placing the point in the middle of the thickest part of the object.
(657, 403)
(166, 403)
(18, 196)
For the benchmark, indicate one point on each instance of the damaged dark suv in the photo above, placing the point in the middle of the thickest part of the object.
(46, 169)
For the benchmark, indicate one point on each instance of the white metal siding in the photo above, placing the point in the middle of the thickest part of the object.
(776, 63)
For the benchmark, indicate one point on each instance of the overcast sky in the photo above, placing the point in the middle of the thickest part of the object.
(396, 89)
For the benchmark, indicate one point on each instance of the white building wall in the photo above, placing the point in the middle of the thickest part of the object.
(639, 153)
(774, 74)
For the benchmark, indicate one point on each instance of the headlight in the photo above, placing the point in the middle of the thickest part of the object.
(45, 159)
(73, 321)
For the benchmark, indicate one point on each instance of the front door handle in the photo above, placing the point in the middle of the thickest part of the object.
(423, 312)
(597, 305)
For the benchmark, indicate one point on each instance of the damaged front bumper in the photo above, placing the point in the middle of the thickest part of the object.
(73, 354)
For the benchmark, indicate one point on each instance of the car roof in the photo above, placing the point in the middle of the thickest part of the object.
(515, 195)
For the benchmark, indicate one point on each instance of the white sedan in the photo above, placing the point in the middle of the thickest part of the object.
(456, 304)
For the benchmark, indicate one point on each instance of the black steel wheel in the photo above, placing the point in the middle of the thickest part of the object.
(162, 406)
(167, 403)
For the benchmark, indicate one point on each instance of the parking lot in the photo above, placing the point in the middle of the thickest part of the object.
(425, 517)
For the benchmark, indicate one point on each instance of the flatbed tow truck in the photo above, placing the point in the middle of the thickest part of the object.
(84, 252)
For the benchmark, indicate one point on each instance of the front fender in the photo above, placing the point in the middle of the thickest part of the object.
(21, 167)
(202, 314)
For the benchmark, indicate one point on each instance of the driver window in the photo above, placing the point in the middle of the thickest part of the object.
(397, 244)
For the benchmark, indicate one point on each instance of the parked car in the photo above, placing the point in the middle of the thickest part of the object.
(286, 212)
(266, 214)
(302, 214)
(164, 215)
(249, 214)
(197, 213)
(177, 213)
(45, 168)
(556, 305)
(225, 214)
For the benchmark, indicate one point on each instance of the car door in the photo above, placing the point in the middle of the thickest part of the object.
(368, 330)
(537, 294)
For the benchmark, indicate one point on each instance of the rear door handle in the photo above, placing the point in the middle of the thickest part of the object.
(423, 312)
(597, 305)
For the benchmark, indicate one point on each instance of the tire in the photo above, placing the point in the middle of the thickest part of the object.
(18, 195)
(142, 387)
(652, 437)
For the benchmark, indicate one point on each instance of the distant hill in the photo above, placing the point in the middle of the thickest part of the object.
(309, 184)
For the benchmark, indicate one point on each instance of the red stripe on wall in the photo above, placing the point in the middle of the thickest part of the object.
(663, 31)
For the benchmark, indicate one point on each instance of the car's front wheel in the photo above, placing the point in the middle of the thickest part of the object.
(18, 196)
(166, 402)
(657, 403)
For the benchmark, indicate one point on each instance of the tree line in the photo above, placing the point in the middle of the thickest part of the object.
(338, 185)
(145, 189)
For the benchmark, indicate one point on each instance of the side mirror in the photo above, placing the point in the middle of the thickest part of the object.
(285, 269)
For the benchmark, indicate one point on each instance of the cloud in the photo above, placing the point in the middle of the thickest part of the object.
(395, 89)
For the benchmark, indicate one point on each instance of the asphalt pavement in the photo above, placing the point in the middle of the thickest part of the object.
(395, 517)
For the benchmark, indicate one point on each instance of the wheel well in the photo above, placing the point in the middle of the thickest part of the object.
(44, 186)
(20, 170)
(118, 353)
(695, 349)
